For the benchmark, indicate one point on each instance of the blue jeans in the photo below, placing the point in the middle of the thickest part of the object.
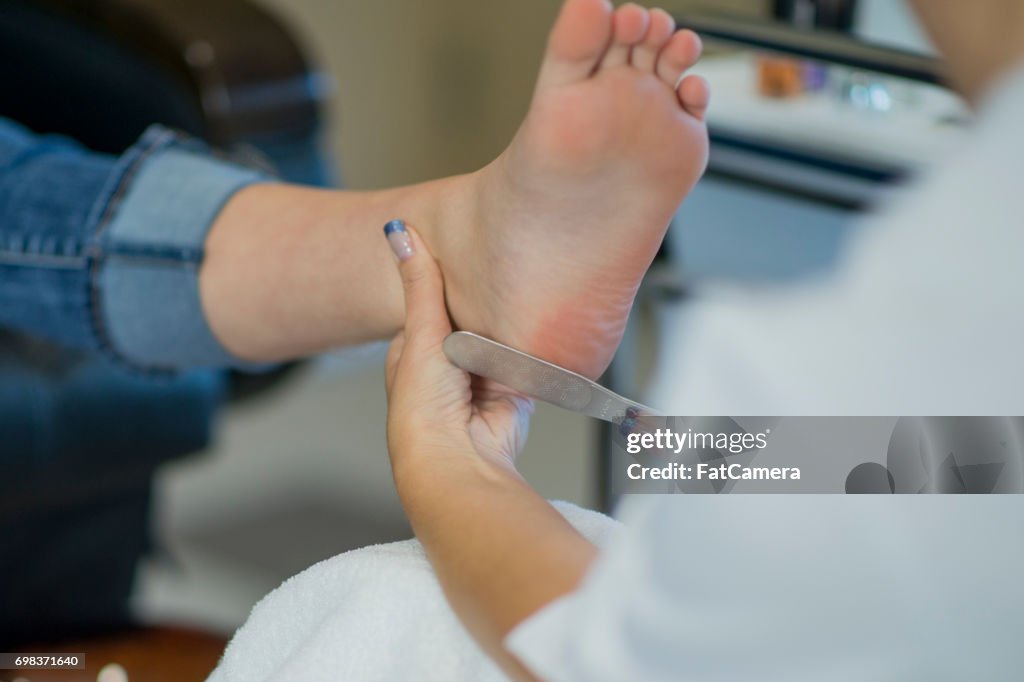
(107, 366)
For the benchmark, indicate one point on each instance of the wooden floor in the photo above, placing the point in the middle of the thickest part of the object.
(162, 654)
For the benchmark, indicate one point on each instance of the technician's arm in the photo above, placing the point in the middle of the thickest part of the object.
(501, 552)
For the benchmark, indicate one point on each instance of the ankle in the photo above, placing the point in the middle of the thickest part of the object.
(456, 240)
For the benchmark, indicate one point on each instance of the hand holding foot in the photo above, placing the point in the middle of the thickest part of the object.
(435, 411)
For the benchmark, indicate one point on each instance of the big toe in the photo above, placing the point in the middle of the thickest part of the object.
(578, 41)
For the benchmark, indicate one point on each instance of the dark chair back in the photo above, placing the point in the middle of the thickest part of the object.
(80, 440)
(101, 71)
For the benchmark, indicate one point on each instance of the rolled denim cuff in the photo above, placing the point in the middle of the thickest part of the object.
(147, 309)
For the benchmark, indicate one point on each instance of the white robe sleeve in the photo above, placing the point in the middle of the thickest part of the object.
(795, 589)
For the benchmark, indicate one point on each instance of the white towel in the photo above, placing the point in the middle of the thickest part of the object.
(371, 614)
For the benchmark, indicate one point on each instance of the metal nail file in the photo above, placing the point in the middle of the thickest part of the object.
(538, 378)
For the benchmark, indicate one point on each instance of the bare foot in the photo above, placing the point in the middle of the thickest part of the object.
(572, 213)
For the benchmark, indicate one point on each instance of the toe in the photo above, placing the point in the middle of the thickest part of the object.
(694, 95)
(661, 28)
(578, 41)
(680, 53)
(629, 28)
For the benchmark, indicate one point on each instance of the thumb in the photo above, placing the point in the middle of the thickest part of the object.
(391, 362)
(425, 313)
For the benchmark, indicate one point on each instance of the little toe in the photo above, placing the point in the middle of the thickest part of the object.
(662, 26)
(629, 26)
(694, 95)
(680, 53)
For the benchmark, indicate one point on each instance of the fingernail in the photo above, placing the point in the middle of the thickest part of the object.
(398, 238)
(627, 425)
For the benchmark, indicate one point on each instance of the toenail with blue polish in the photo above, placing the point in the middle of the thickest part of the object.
(394, 226)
